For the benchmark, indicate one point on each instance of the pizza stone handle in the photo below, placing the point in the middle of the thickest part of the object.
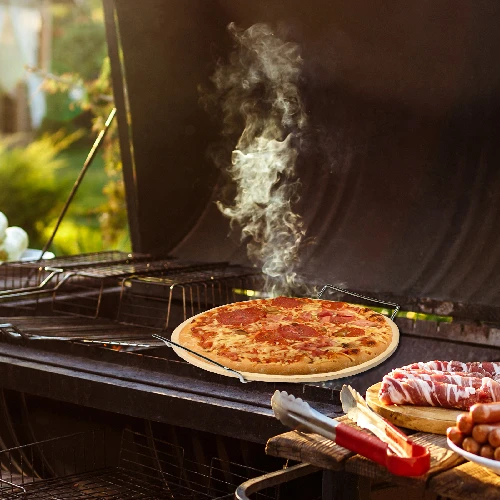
(395, 306)
(170, 343)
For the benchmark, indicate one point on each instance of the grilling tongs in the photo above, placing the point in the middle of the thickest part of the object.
(389, 447)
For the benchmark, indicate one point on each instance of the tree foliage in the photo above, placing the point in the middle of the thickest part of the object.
(81, 70)
(31, 193)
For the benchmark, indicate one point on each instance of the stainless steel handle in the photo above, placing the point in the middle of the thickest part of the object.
(359, 296)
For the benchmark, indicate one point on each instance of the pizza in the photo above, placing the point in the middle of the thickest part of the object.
(288, 336)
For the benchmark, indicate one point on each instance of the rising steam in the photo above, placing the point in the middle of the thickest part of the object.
(260, 92)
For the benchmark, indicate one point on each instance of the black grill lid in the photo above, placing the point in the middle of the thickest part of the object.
(399, 165)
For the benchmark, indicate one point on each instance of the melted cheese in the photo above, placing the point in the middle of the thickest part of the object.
(224, 338)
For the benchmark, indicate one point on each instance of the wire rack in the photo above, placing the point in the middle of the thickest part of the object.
(77, 467)
(163, 301)
(90, 291)
(83, 285)
(28, 283)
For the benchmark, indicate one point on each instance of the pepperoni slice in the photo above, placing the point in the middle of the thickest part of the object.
(240, 317)
(229, 354)
(284, 333)
(297, 331)
(351, 332)
(286, 302)
(270, 337)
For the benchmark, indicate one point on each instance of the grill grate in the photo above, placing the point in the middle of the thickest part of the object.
(74, 467)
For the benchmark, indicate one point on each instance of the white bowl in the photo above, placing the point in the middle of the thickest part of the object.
(493, 465)
(32, 254)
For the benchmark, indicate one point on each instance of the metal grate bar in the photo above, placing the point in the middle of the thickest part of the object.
(82, 260)
(146, 267)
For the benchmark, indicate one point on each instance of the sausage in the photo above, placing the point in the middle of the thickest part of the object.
(464, 423)
(487, 451)
(455, 436)
(480, 432)
(485, 413)
(494, 438)
(471, 445)
(496, 454)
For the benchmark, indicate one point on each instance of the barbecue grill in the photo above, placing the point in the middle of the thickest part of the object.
(393, 172)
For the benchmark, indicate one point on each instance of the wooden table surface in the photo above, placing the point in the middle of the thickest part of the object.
(450, 475)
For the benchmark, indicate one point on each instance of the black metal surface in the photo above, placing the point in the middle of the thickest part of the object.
(400, 185)
(146, 386)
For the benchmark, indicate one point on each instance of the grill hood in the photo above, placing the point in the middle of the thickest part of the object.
(398, 164)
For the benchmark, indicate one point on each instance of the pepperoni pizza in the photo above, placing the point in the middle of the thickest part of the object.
(288, 336)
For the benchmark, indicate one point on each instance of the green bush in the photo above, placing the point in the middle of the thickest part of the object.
(81, 47)
(74, 238)
(31, 193)
(78, 49)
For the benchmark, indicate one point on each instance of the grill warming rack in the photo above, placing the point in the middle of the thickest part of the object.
(165, 301)
(81, 285)
(35, 279)
(83, 466)
(126, 300)
(91, 290)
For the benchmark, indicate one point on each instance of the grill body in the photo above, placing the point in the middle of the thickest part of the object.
(398, 160)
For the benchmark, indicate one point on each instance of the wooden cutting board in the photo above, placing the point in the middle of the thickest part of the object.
(420, 418)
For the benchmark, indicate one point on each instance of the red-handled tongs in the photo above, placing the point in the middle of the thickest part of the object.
(397, 453)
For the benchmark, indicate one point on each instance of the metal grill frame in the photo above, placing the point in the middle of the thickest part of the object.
(146, 468)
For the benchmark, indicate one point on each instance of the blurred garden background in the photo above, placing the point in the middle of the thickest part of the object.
(55, 96)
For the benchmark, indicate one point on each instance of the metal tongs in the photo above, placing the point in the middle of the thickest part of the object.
(388, 447)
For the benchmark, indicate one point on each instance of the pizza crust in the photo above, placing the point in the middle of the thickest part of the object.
(340, 362)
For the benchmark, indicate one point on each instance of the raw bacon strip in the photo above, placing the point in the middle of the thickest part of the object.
(422, 393)
(448, 378)
(488, 368)
(491, 388)
(401, 372)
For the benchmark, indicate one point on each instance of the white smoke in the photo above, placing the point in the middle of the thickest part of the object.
(260, 92)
